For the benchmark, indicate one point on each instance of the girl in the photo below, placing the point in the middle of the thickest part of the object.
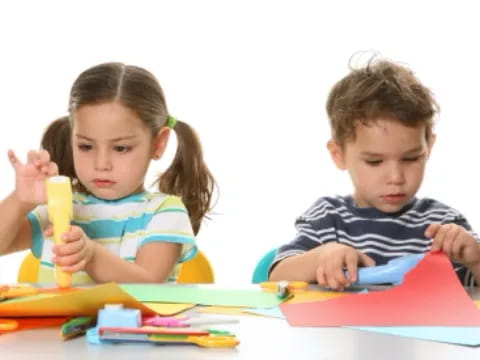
(118, 121)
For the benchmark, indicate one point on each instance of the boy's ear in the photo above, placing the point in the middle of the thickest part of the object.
(160, 142)
(431, 142)
(336, 152)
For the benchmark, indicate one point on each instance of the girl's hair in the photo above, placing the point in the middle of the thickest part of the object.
(379, 89)
(138, 90)
(56, 139)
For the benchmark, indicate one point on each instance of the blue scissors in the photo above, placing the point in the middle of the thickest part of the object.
(390, 273)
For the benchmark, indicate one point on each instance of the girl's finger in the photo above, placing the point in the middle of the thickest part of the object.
(14, 161)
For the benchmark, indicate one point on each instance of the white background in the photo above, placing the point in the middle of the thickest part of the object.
(252, 77)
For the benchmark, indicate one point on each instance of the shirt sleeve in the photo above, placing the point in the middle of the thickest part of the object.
(314, 228)
(38, 219)
(170, 223)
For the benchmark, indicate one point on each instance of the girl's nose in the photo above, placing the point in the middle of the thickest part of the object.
(103, 161)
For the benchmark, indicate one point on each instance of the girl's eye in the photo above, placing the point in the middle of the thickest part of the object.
(84, 147)
(122, 149)
(373, 162)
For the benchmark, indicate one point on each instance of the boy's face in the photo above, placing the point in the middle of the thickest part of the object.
(386, 162)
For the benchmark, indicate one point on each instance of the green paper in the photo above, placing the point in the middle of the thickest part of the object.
(202, 295)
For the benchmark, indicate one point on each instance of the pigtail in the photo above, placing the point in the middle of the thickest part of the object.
(57, 141)
(188, 175)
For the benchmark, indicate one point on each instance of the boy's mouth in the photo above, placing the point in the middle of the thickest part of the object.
(393, 198)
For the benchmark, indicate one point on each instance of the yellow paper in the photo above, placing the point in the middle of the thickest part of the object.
(313, 295)
(168, 309)
(82, 302)
(229, 310)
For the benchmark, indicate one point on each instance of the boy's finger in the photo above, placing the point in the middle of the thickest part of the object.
(351, 261)
(457, 248)
(432, 229)
(365, 260)
(321, 277)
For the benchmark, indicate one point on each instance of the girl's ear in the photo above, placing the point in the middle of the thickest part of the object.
(160, 142)
(336, 152)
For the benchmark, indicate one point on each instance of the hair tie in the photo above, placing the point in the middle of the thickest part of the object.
(171, 121)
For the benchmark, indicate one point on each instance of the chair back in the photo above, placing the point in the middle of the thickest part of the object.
(194, 271)
(260, 273)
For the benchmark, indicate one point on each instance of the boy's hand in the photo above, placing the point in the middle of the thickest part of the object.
(76, 251)
(333, 258)
(30, 177)
(455, 242)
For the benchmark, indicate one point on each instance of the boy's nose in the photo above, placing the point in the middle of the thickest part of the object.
(396, 174)
(103, 161)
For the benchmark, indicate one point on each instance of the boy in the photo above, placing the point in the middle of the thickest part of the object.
(381, 118)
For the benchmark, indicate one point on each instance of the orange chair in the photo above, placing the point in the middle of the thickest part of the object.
(197, 270)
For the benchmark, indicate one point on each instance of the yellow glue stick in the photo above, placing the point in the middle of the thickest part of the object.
(60, 211)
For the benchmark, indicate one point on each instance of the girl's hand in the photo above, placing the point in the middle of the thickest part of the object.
(76, 251)
(333, 258)
(455, 242)
(30, 177)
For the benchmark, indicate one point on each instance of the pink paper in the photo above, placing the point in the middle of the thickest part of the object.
(430, 295)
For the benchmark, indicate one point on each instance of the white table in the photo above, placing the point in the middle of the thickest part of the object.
(259, 337)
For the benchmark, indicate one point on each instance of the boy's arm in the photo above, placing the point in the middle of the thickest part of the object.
(15, 230)
(300, 267)
(298, 260)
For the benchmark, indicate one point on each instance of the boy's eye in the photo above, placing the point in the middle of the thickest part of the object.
(411, 159)
(84, 147)
(373, 162)
(122, 148)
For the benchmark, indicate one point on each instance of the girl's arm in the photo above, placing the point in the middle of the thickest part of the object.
(15, 230)
(154, 263)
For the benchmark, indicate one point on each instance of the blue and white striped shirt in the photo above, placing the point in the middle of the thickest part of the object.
(122, 226)
(382, 236)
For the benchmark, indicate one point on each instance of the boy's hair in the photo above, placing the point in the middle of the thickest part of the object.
(138, 90)
(381, 89)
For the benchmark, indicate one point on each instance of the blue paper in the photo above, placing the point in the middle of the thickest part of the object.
(449, 334)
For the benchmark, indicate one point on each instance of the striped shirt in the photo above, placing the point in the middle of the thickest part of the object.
(382, 236)
(122, 226)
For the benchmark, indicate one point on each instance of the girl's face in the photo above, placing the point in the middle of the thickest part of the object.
(111, 150)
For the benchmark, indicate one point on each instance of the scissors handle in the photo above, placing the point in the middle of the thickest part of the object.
(212, 341)
(8, 325)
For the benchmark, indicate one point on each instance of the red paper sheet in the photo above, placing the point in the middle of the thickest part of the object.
(430, 295)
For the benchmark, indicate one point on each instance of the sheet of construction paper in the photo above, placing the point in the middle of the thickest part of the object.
(448, 334)
(225, 310)
(430, 295)
(202, 295)
(312, 295)
(36, 323)
(168, 309)
(86, 301)
(270, 312)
